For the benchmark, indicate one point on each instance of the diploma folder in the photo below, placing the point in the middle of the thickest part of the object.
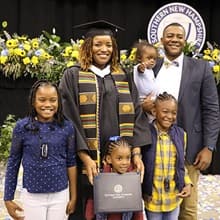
(115, 192)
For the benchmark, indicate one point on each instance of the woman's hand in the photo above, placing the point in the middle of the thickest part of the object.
(137, 161)
(13, 210)
(91, 169)
(91, 166)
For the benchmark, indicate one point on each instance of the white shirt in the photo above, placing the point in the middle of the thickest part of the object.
(145, 82)
(169, 77)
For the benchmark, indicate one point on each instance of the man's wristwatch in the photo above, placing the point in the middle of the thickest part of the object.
(210, 149)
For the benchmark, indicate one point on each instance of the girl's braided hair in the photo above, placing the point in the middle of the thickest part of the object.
(114, 142)
(165, 97)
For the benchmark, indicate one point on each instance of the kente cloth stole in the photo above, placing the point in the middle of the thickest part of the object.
(89, 108)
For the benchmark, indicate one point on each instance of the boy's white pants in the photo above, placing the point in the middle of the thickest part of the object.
(45, 206)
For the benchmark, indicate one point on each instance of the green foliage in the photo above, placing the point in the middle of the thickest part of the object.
(6, 135)
(190, 49)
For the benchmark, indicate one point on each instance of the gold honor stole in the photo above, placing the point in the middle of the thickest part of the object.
(89, 109)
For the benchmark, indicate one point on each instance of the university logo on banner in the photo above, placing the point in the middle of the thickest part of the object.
(181, 13)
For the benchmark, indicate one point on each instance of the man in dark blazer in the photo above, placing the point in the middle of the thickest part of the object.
(191, 81)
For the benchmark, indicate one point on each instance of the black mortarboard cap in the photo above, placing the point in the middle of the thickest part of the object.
(100, 27)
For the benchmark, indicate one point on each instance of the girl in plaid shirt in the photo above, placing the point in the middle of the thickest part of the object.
(166, 181)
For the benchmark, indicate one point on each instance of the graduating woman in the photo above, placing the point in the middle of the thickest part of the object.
(102, 101)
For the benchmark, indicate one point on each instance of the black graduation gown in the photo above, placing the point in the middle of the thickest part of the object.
(109, 124)
(109, 121)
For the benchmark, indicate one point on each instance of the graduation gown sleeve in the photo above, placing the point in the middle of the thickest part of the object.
(142, 135)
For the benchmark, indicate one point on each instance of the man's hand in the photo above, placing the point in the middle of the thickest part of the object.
(203, 159)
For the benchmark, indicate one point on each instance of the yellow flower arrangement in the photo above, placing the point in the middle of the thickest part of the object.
(212, 55)
(43, 57)
(70, 53)
(46, 57)
(128, 60)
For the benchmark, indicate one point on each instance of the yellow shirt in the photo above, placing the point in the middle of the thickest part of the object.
(165, 161)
